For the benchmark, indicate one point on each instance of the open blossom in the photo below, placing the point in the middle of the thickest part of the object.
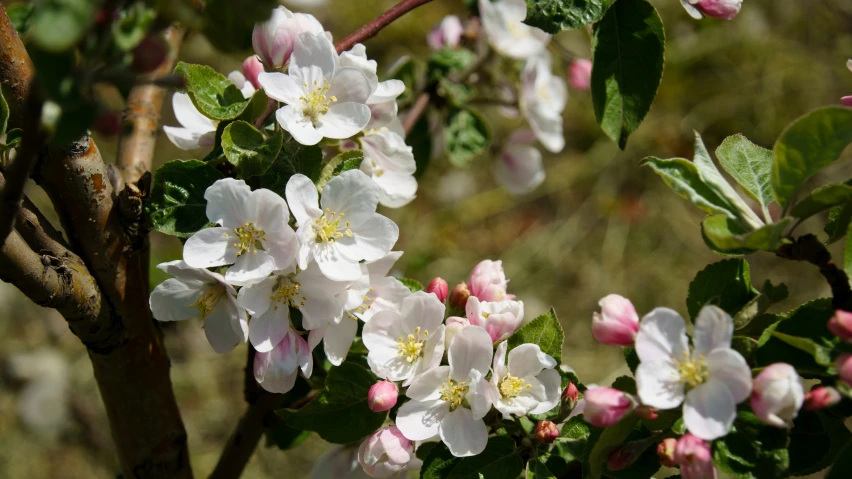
(488, 282)
(527, 384)
(710, 379)
(503, 22)
(694, 457)
(543, 97)
(196, 130)
(380, 92)
(385, 453)
(196, 292)
(447, 34)
(499, 318)
(450, 401)
(726, 9)
(617, 323)
(276, 370)
(275, 39)
(519, 168)
(390, 163)
(604, 406)
(343, 227)
(406, 343)
(318, 298)
(254, 235)
(778, 395)
(323, 100)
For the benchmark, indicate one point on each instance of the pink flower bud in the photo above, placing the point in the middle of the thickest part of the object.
(647, 413)
(777, 395)
(447, 34)
(488, 281)
(385, 453)
(150, 53)
(546, 432)
(382, 396)
(570, 396)
(580, 74)
(439, 288)
(844, 368)
(694, 458)
(665, 451)
(846, 100)
(617, 323)
(820, 398)
(725, 9)
(841, 324)
(251, 69)
(274, 39)
(606, 406)
(459, 295)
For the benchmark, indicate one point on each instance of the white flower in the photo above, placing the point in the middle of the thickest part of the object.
(319, 299)
(380, 92)
(343, 228)
(499, 318)
(519, 168)
(543, 97)
(196, 129)
(383, 115)
(385, 453)
(451, 401)
(447, 34)
(276, 370)
(528, 385)
(239, 80)
(196, 292)
(710, 380)
(390, 163)
(274, 39)
(404, 344)
(778, 395)
(254, 235)
(503, 22)
(323, 100)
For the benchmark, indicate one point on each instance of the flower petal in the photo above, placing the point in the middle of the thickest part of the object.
(250, 267)
(529, 360)
(219, 329)
(209, 247)
(338, 339)
(427, 386)
(370, 240)
(552, 383)
(230, 203)
(478, 396)
(420, 420)
(303, 199)
(301, 127)
(280, 87)
(730, 368)
(343, 120)
(256, 297)
(314, 49)
(334, 265)
(658, 384)
(189, 117)
(271, 213)
(268, 329)
(709, 410)
(661, 336)
(713, 329)
(462, 434)
(349, 85)
(172, 300)
(470, 350)
(387, 91)
(183, 138)
(353, 194)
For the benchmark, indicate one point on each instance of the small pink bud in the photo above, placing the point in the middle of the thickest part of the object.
(694, 458)
(846, 100)
(439, 288)
(725, 9)
(665, 451)
(274, 39)
(570, 395)
(446, 34)
(617, 323)
(647, 413)
(606, 406)
(844, 368)
(777, 395)
(546, 432)
(488, 281)
(251, 69)
(150, 53)
(820, 398)
(580, 74)
(841, 323)
(459, 295)
(382, 396)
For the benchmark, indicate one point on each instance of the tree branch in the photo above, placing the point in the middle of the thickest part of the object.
(16, 70)
(371, 29)
(809, 248)
(142, 116)
(416, 111)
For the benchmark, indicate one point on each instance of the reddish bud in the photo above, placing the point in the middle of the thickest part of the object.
(382, 396)
(108, 123)
(439, 288)
(459, 295)
(546, 432)
(570, 396)
(606, 406)
(150, 53)
(820, 398)
(251, 69)
(617, 323)
(647, 413)
(841, 325)
(844, 368)
(665, 451)
(846, 100)
(580, 74)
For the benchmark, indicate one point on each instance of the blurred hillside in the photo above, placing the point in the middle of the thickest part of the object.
(600, 224)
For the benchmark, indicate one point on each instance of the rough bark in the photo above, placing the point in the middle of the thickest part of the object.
(16, 70)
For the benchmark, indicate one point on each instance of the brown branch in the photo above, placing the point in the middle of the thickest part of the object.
(809, 248)
(371, 29)
(142, 116)
(416, 111)
(16, 70)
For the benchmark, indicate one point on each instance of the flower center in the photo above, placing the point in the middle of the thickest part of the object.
(207, 302)
(249, 238)
(692, 370)
(511, 386)
(287, 294)
(363, 307)
(411, 347)
(327, 227)
(453, 393)
(316, 101)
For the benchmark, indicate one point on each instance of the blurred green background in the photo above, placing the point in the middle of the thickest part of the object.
(600, 224)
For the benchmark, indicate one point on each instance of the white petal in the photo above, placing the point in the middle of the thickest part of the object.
(301, 127)
(230, 203)
(709, 410)
(713, 329)
(661, 336)
(529, 360)
(283, 247)
(219, 330)
(498, 366)
(256, 297)
(302, 198)
(334, 265)
(353, 194)
(271, 214)
(419, 420)
(250, 267)
(478, 395)
(730, 368)
(188, 116)
(338, 339)
(658, 384)
(275, 370)
(387, 91)
(463, 435)
(320, 306)
(388, 364)
(433, 351)
(183, 138)
(382, 266)
(349, 84)
(370, 240)
(470, 350)
(343, 120)
(171, 300)
(280, 87)
(314, 50)
(396, 190)
(268, 329)
(519, 169)
(209, 247)
(552, 383)
(423, 309)
(427, 386)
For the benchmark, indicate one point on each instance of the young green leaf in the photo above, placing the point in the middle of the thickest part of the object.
(821, 199)
(466, 136)
(682, 177)
(293, 158)
(726, 284)
(545, 331)
(807, 145)
(628, 49)
(213, 94)
(177, 206)
(750, 165)
(537, 469)
(347, 160)
(554, 16)
(805, 327)
(412, 284)
(246, 148)
(725, 236)
(769, 295)
(499, 459)
(838, 222)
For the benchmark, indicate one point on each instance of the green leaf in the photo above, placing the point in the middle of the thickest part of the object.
(500, 459)
(726, 236)
(293, 158)
(285, 437)
(606, 442)
(821, 354)
(537, 469)
(177, 206)
(449, 60)
(752, 450)
(340, 413)
(750, 165)
(4, 114)
(545, 331)
(807, 322)
(628, 44)
(822, 198)
(246, 148)
(808, 144)
(347, 160)
(132, 26)
(57, 25)
(726, 284)
(553, 16)
(816, 440)
(211, 92)
(228, 24)
(769, 295)
(412, 284)
(466, 136)
(838, 222)
(19, 14)
(575, 429)
(625, 383)
(682, 177)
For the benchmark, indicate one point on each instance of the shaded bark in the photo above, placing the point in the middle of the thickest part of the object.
(809, 248)
(16, 70)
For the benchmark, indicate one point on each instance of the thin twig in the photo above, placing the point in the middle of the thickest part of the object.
(371, 29)
(419, 108)
(809, 248)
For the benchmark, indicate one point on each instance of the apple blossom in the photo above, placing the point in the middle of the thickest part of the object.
(454, 324)
(821, 397)
(450, 401)
(275, 39)
(197, 292)
(439, 288)
(528, 384)
(604, 406)
(323, 100)
(617, 323)
(488, 282)
(778, 395)
(843, 364)
(694, 457)
(254, 235)
(709, 380)
(542, 99)
(841, 325)
(503, 22)
(385, 453)
(343, 228)
(725, 9)
(380, 92)
(244, 85)
(382, 396)
(665, 451)
(447, 34)
(519, 168)
(580, 74)
(252, 67)
(499, 318)
(546, 432)
(390, 163)
(276, 370)
(196, 130)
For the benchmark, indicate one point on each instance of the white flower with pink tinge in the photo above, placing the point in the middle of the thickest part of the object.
(488, 282)
(276, 370)
(543, 97)
(275, 39)
(519, 167)
(390, 163)
(503, 22)
(385, 453)
(527, 384)
(499, 318)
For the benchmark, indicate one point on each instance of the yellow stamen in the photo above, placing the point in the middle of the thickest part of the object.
(453, 393)
(250, 239)
(411, 347)
(328, 225)
(316, 100)
(511, 387)
(287, 294)
(207, 302)
(692, 370)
